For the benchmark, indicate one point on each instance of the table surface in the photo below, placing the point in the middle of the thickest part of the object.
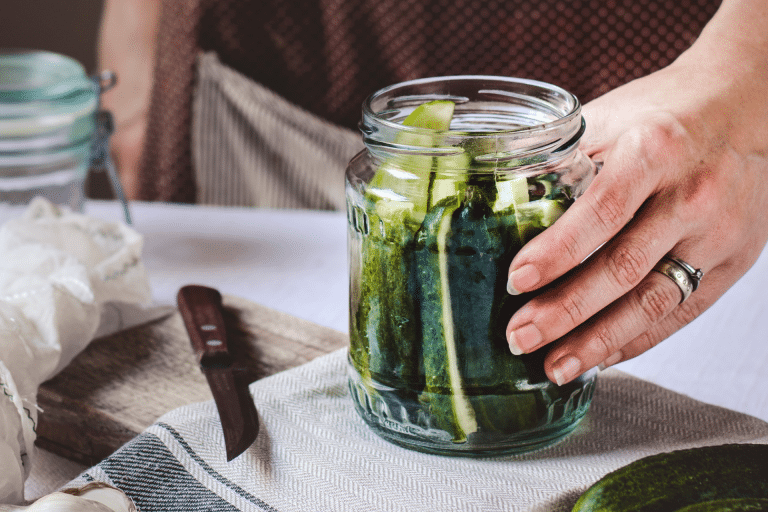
(296, 262)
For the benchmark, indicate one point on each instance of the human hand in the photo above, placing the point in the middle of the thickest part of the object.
(685, 153)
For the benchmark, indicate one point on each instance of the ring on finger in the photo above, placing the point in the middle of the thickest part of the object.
(694, 273)
(684, 275)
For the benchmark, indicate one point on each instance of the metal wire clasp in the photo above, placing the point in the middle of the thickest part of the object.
(101, 157)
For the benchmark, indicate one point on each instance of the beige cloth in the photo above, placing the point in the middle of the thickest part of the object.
(251, 147)
(314, 453)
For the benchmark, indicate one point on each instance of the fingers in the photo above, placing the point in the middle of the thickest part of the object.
(612, 297)
(606, 206)
(602, 125)
(603, 341)
(610, 273)
(607, 117)
(633, 171)
(636, 316)
(680, 316)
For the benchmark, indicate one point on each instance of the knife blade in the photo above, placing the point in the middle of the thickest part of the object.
(201, 310)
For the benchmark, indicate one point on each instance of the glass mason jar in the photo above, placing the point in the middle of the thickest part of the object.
(51, 129)
(435, 218)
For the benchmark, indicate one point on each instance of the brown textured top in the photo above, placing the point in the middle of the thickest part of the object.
(328, 55)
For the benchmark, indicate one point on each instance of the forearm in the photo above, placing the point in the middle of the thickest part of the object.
(741, 24)
(127, 44)
(735, 39)
(725, 73)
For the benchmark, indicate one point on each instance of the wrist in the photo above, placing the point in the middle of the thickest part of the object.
(735, 39)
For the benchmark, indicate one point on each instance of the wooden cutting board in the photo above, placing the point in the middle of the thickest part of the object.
(122, 383)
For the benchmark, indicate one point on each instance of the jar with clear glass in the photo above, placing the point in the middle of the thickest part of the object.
(51, 129)
(436, 214)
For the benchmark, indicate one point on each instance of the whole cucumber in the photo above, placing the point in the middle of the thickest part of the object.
(735, 505)
(671, 481)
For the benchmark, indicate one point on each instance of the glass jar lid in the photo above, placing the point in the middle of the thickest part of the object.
(44, 94)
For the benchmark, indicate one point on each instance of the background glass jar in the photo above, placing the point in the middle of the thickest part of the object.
(51, 129)
(435, 218)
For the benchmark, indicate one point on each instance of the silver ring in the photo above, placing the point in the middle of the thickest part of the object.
(694, 273)
(681, 273)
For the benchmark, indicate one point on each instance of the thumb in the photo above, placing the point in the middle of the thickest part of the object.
(602, 127)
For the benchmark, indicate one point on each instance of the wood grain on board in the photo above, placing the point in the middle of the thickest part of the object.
(122, 383)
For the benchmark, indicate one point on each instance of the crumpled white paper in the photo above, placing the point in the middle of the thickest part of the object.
(59, 274)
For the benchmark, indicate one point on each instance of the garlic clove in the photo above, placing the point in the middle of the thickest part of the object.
(62, 502)
(92, 497)
(105, 494)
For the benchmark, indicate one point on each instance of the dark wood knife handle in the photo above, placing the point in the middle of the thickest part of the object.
(201, 309)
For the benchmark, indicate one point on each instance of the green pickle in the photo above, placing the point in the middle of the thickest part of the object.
(429, 305)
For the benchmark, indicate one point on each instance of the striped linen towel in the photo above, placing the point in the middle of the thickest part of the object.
(314, 453)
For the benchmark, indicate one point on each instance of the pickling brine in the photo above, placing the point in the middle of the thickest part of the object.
(447, 192)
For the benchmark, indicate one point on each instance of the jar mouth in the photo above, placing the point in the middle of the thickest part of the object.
(510, 117)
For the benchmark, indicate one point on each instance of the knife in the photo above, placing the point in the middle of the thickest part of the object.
(201, 309)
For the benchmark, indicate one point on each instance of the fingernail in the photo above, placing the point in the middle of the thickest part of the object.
(566, 369)
(522, 279)
(524, 339)
(611, 360)
(513, 346)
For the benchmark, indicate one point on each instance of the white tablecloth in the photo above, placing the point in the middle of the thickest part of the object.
(296, 261)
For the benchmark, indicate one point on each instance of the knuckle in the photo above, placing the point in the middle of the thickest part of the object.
(661, 137)
(605, 339)
(651, 146)
(628, 264)
(656, 302)
(732, 234)
(646, 342)
(572, 246)
(574, 307)
(608, 206)
(641, 344)
(687, 312)
(702, 194)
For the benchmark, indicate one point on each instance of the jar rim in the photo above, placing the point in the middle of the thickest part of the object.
(43, 94)
(35, 75)
(526, 115)
(570, 105)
